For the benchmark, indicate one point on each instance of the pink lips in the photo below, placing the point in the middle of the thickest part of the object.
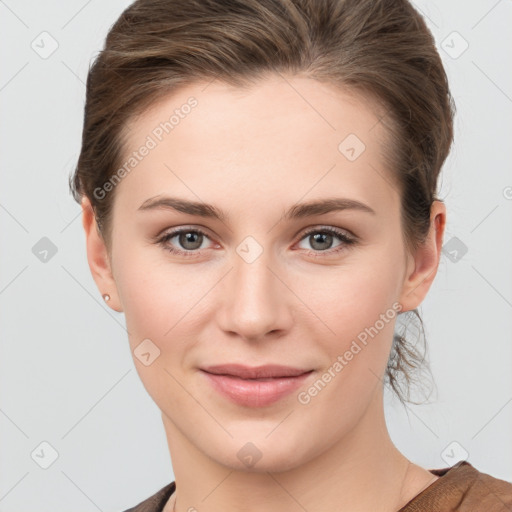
(256, 386)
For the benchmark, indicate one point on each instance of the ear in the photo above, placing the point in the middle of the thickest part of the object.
(422, 266)
(98, 257)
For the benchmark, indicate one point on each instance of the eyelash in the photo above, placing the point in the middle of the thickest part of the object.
(347, 241)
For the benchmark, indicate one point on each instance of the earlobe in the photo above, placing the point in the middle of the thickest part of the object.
(98, 257)
(425, 262)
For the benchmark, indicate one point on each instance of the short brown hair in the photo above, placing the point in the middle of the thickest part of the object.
(380, 48)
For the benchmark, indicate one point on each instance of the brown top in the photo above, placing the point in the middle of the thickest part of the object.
(461, 488)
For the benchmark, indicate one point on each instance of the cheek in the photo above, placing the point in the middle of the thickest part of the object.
(154, 293)
(352, 297)
(156, 299)
(359, 306)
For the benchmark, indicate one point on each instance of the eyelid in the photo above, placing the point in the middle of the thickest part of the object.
(176, 230)
(332, 229)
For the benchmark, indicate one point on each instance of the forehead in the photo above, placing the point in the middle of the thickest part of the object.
(274, 105)
(282, 136)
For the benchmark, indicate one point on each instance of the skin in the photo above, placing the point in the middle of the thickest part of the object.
(254, 153)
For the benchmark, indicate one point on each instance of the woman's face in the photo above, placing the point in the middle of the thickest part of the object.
(269, 282)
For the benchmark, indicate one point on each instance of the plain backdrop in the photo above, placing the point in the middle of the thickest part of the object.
(70, 397)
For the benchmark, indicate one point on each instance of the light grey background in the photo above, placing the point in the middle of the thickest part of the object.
(67, 377)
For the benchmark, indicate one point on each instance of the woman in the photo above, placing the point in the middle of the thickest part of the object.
(224, 145)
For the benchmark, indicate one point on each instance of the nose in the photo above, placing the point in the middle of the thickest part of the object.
(256, 299)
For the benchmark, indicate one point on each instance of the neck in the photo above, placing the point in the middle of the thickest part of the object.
(361, 471)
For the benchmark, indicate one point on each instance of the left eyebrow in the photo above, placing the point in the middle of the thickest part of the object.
(297, 211)
(324, 206)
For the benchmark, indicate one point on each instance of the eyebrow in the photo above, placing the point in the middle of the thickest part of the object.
(297, 211)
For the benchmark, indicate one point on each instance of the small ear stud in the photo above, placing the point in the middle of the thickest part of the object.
(106, 297)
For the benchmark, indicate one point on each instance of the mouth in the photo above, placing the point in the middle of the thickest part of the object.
(255, 387)
(269, 371)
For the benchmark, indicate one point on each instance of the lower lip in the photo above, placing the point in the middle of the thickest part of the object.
(255, 393)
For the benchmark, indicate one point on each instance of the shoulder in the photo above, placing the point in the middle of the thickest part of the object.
(463, 488)
(487, 492)
(156, 502)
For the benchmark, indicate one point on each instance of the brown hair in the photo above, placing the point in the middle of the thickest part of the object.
(380, 48)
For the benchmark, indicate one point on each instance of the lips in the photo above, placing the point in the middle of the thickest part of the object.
(255, 372)
(255, 386)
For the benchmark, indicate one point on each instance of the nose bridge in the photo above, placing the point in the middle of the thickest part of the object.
(256, 301)
(252, 276)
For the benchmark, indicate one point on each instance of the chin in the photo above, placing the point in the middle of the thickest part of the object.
(258, 456)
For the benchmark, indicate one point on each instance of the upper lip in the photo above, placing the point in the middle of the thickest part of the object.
(255, 372)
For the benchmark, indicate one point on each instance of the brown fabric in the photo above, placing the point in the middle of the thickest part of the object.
(156, 502)
(461, 488)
